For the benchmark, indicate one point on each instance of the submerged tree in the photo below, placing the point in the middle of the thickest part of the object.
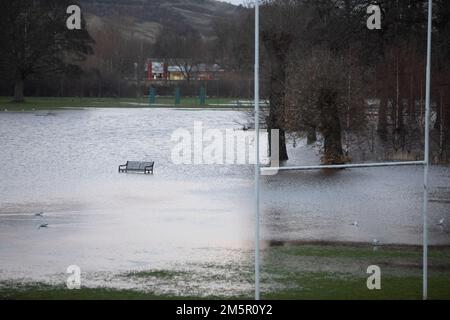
(317, 100)
(35, 40)
(282, 23)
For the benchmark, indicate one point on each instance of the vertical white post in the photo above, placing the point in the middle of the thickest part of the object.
(257, 163)
(427, 154)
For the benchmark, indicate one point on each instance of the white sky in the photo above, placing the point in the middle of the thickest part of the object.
(233, 1)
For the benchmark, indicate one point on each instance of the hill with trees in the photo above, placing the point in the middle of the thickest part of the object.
(146, 18)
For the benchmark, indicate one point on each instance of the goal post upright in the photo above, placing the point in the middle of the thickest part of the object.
(425, 163)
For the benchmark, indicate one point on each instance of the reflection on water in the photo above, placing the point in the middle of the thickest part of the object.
(386, 204)
(66, 166)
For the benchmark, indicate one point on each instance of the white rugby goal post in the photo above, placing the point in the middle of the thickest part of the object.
(425, 163)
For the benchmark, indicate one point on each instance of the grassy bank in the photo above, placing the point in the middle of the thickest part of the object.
(288, 272)
(339, 272)
(52, 103)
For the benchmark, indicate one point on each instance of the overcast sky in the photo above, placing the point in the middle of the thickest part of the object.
(233, 1)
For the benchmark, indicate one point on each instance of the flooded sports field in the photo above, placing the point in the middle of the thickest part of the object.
(63, 202)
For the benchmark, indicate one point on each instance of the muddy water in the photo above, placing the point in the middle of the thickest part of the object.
(64, 164)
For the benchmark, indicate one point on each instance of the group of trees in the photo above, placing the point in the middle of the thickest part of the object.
(324, 69)
(118, 55)
(184, 49)
(35, 40)
(105, 58)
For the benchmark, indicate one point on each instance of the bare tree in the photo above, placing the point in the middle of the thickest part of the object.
(185, 50)
(35, 40)
(317, 100)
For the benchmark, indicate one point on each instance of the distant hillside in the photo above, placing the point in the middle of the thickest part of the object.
(145, 18)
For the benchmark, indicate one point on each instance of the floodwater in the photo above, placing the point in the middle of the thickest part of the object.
(65, 164)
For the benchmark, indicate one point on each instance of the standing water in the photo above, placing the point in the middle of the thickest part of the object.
(65, 164)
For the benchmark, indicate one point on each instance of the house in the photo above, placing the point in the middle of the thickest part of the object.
(161, 69)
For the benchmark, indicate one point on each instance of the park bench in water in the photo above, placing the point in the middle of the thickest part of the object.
(137, 166)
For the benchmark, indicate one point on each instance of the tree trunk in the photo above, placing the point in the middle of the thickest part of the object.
(437, 124)
(277, 46)
(283, 150)
(382, 119)
(333, 153)
(19, 90)
(401, 125)
(311, 136)
(277, 93)
(273, 123)
(331, 128)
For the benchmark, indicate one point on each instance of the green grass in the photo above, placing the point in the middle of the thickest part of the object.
(330, 272)
(39, 291)
(306, 286)
(363, 251)
(160, 274)
(327, 286)
(291, 272)
(53, 103)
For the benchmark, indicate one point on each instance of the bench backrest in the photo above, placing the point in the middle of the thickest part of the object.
(145, 164)
(133, 165)
(138, 165)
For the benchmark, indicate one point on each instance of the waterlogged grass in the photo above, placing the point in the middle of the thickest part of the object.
(307, 271)
(339, 272)
(364, 251)
(54, 103)
(328, 286)
(349, 252)
(159, 274)
(307, 286)
(40, 291)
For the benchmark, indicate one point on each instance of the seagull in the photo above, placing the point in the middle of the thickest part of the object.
(45, 225)
(355, 224)
(39, 214)
(441, 223)
(376, 242)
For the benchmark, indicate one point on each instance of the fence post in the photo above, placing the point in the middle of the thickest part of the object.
(202, 95)
(177, 96)
(152, 96)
